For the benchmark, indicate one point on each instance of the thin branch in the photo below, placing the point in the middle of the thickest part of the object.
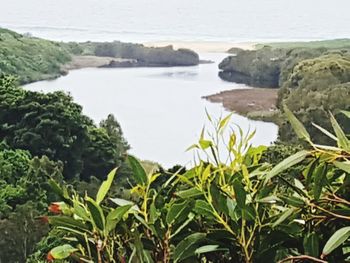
(303, 257)
(341, 199)
(331, 213)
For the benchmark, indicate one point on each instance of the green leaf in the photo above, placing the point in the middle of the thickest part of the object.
(96, 213)
(293, 201)
(123, 202)
(187, 247)
(67, 221)
(189, 193)
(62, 252)
(193, 146)
(240, 193)
(232, 141)
(60, 191)
(248, 213)
(138, 171)
(178, 212)
(153, 214)
(231, 206)
(191, 216)
(80, 211)
(330, 135)
(311, 245)
(286, 214)
(346, 113)
(287, 163)
(205, 144)
(308, 172)
(208, 115)
(115, 216)
(224, 121)
(345, 166)
(269, 200)
(104, 188)
(207, 249)
(147, 257)
(203, 208)
(219, 199)
(342, 140)
(298, 127)
(337, 239)
(319, 180)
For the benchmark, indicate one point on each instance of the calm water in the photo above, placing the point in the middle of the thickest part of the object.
(152, 20)
(160, 109)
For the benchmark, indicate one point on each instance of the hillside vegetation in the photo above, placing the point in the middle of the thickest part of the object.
(33, 59)
(30, 58)
(312, 80)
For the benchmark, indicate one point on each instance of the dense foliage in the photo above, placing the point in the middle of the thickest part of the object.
(46, 136)
(51, 124)
(149, 56)
(30, 58)
(236, 208)
(313, 79)
(25, 194)
(314, 88)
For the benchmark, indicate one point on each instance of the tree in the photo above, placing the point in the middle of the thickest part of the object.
(53, 125)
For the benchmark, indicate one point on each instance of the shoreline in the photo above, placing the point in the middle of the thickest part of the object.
(80, 62)
(90, 61)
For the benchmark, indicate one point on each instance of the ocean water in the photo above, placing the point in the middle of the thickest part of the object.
(154, 20)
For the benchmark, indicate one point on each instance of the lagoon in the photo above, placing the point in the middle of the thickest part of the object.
(160, 109)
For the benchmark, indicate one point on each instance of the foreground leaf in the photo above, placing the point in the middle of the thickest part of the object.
(287, 163)
(96, 213)
(62, 252)
(104, 188)
(338, 238)
(115, 216)
(298, 127)
(187, 247)
(342, 140)
(345, 166)
(138, 171)
(178, 212)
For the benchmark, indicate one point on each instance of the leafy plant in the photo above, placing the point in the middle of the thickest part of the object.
(231, 206)
(90, 227)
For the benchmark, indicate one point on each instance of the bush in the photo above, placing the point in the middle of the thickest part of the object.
(236, 208)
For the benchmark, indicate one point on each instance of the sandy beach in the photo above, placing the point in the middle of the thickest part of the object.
(79, 62)
(203, 46)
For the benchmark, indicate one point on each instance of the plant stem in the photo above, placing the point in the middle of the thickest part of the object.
(302, 258)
